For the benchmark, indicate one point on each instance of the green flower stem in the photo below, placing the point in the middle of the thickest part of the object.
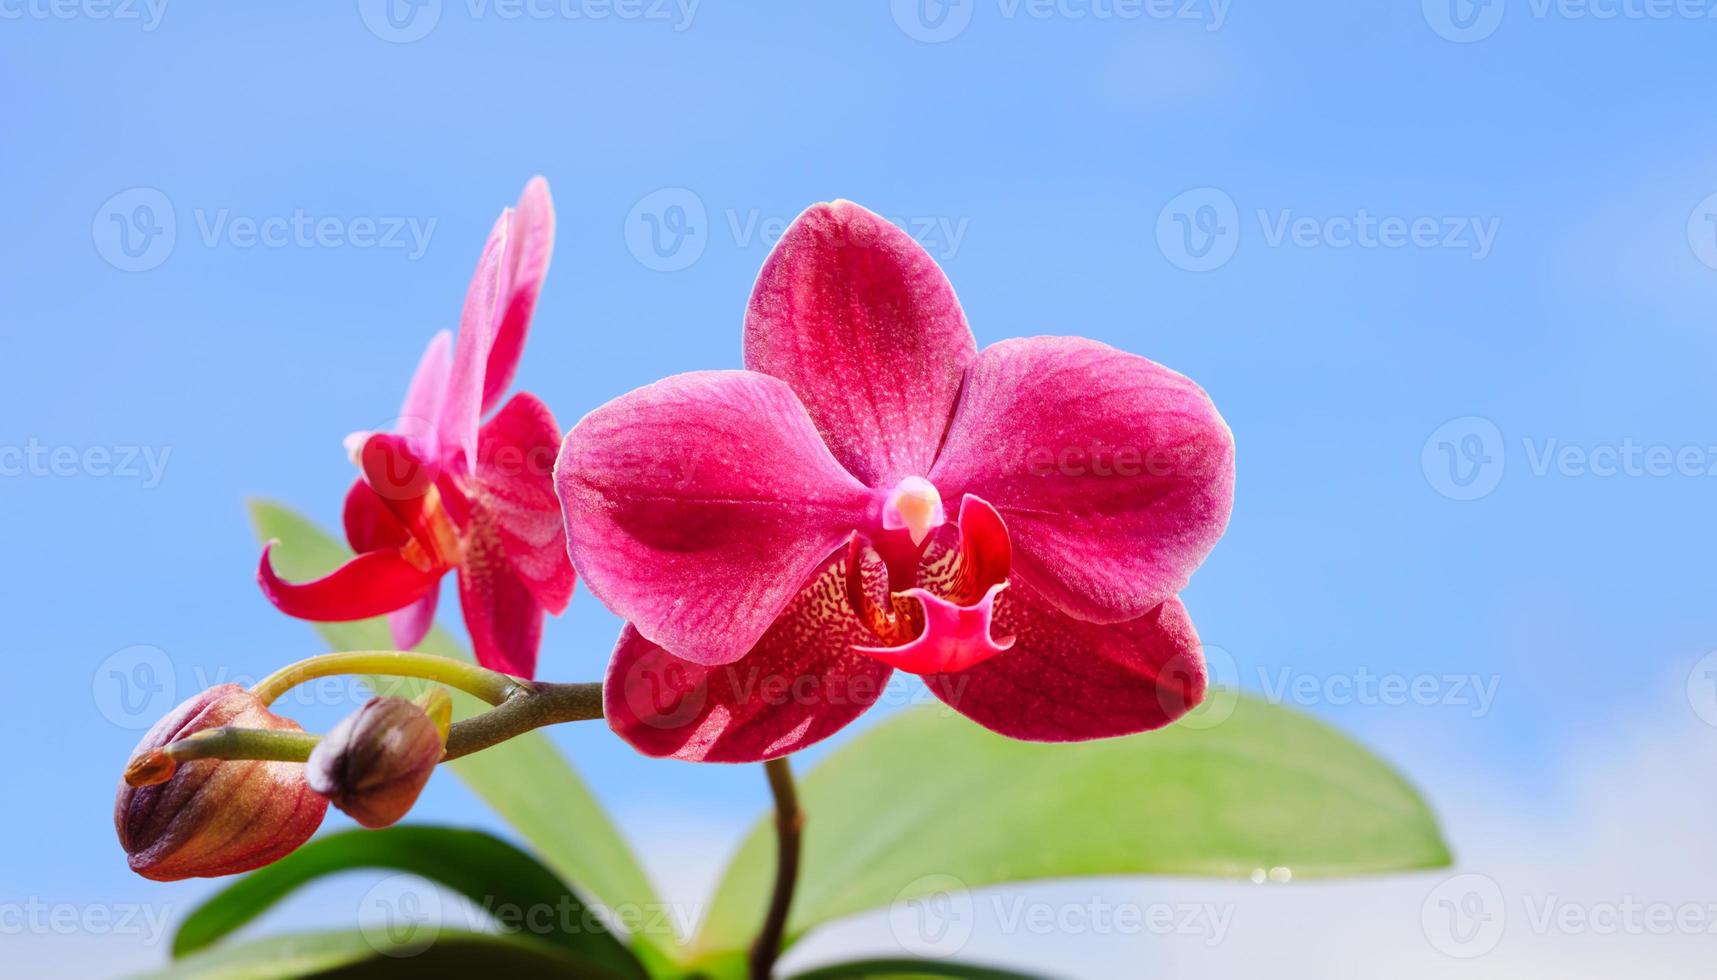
(270, 745)
(530, 706)
(492, 686)
(534, 705)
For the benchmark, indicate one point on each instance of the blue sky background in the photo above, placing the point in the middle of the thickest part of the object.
(1037, 156)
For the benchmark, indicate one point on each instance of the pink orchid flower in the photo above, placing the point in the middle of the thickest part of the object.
(875, 494)
(447, 491)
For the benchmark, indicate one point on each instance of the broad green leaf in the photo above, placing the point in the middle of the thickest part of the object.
(497, 877)
(929, 802)
(901, 969)
(369, 954)
(526, 779)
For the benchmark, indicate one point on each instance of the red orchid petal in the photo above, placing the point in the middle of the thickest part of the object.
(515, 478)
(504, 620)
(410, 625)
(421, 411)
(408, 487)
(861, 322)
(802, 683)
(399, 474)
(698, 506)
(370, 525)
(462, 408)
(1066, 680)
(371, 584)
(527, 265)
(1115, 475)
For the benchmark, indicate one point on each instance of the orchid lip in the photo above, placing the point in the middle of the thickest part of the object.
(914, 505)
(953, 637)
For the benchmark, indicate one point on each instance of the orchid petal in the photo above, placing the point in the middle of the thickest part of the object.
(421, 410)
(462, 408)
(1115, 475)
(1066, 680)
(370, 525)
(697, 507)
(408, 488)
(527, 265)
(802, 683)
(861, 322)
(410, 625)
(504, 619)
(371, 584)
(515, 478)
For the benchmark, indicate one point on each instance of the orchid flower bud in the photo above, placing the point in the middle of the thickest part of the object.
(209, 817)
(376, 761)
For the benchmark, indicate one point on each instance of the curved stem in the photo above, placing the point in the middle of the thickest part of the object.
(534, 705)
(492, 686)
(531, 706)
(789, 833)
(263, 744)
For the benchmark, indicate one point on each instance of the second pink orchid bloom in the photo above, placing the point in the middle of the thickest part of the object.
(446, 491)
(874, 494)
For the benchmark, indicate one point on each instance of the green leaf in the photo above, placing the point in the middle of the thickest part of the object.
(901, 969)
(526, 779)
(927, 800)
(496, 876)
(366, 955)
